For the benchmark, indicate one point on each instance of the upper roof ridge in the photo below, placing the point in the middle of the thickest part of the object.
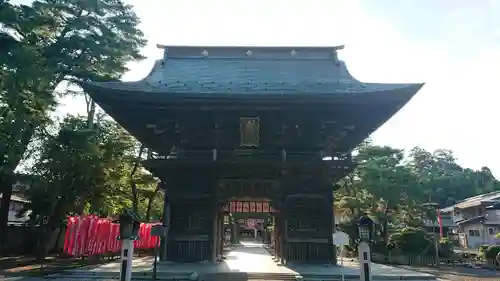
(262, 52)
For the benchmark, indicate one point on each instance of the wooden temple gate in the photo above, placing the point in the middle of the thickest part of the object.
(274, 124)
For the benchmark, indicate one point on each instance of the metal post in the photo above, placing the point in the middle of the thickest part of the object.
(365, 261)
(155, 263)
(126, 260)
(158, 231)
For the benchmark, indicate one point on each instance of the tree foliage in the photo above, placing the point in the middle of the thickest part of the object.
(393, 186)
(58, 41)
(90, 171)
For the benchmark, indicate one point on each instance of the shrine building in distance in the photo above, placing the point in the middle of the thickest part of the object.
(250, 129)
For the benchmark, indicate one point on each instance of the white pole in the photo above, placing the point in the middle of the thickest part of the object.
(342, 255)
(126, 260)
(365, 262)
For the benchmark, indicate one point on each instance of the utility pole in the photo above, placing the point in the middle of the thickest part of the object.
(435, 208)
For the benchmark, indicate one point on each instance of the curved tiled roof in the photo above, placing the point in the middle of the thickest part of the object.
(249, 70)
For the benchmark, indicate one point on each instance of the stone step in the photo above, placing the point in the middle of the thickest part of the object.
(353, 277)
(107, 275)
(244, 276)
(228, 276)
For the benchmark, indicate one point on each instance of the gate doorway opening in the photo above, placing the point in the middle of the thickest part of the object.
(247, 220)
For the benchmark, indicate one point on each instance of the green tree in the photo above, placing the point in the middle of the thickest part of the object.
(88, 171)
(393, 187)
(62, 39)
(381, 185)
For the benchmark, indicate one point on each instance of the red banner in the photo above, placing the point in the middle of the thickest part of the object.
(440, 222)
(250, 207)
(91, 235)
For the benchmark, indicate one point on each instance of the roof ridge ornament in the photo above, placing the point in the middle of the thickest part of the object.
(335, 55)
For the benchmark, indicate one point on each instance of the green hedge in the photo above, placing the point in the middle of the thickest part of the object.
(492, 252)
(445, 248)
(482, 251)
(414, 241)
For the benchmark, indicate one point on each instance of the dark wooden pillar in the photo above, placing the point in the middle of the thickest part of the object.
(281, 238)
(213, 236)
(221, 234)
(234, 233)
(165, 223)
(276, 238)
(285, 243)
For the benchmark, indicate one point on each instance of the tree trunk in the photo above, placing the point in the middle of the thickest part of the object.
(133, 185)
(135, 200)
(151, 200)
(90, 111)
(6, 182)
(385, 232)
(12, 155)
(46, 237)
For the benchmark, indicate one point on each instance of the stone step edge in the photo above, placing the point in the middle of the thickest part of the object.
(297, 277)
(179, 276)
(79, 277)
(187, 278)
(187, 273)
(375, 278)
(117, 272)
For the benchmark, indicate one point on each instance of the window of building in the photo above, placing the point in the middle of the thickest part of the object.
(474, 232)
(491, 231)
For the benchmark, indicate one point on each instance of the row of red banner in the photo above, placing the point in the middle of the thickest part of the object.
(249, 207)
(91, 235)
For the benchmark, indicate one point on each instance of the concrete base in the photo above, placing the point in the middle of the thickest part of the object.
(245, 261)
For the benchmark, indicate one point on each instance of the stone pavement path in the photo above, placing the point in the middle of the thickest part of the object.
(251, 256)
(248, 257)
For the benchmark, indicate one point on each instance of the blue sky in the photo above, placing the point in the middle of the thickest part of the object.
(452, 45)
